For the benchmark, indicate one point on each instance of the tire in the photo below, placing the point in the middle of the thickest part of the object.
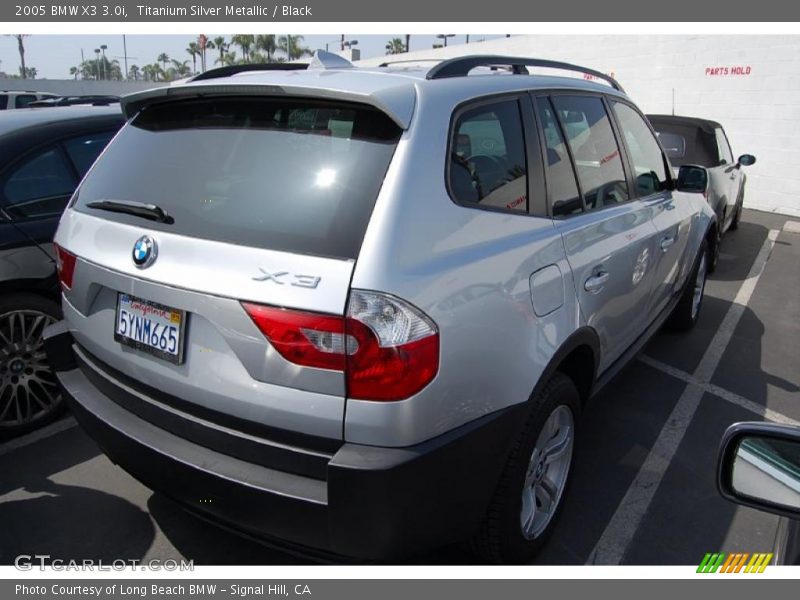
(687, 311)
(553, 415)
(29, 394)
(738, 216)
(714, 252)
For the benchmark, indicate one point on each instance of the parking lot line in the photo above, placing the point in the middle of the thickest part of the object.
(733, 398)
(39, 434)
(613, 543)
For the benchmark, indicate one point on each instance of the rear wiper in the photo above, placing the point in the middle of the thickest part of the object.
(130, 207)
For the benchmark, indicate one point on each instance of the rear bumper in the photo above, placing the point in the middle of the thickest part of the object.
(370, 503)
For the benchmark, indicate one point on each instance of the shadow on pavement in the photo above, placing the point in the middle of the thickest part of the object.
(73, 523)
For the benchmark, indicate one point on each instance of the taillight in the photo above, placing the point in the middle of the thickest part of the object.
(388, 349)
(65, 262)
(304, 338)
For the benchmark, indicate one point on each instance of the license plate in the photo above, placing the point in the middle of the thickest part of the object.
(150, 327)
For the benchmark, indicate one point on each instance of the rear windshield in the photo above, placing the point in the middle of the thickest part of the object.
(688, 145)
(284, 174)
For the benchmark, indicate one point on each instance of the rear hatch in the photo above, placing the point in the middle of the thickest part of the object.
(202, 214)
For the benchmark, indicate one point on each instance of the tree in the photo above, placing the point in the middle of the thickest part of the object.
(152, 72)
(291, 46)
(395, 46)
(163, 58)
(194, 51)
(408, 43)
(74, 71)
(23, 71)
(245, 42)
(268, 44)
(134, 72)
(179, 69)
(30, 73)
(220, 44)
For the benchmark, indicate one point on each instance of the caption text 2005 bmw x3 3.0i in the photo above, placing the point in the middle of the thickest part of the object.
(358, 311)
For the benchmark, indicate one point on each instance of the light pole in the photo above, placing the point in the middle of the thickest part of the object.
(97, 63)
(444, 36)
(103, 47)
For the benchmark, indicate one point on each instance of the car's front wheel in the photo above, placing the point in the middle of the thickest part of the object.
(687, 311)
(29, 394)
(529, 496)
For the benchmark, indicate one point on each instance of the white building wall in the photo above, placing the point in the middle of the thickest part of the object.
(757, 100)
(77, 87)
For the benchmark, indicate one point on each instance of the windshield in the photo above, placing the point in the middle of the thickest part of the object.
(284, 174)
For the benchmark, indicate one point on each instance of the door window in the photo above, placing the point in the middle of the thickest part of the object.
(39, 187)
(594, 149)
(645, 153)
(565, 199)
(83, 150)
(725, 154)
(23, 100)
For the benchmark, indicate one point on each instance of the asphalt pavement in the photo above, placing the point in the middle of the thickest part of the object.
(643, 487)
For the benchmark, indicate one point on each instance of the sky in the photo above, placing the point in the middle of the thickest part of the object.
(53, 55)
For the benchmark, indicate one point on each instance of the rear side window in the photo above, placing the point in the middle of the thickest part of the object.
(39, 187)
(487, 158)
(284, 174)
(84, 150)
(648, 161)
(3, 101)
(594, 149)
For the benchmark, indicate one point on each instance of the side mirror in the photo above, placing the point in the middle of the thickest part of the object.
(692, 178)
(759, 466)
(746, 160)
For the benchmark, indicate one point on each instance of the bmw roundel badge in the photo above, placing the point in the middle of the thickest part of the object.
(144, 252)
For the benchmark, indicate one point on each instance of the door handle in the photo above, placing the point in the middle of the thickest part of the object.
(667, 242)
(595, 283)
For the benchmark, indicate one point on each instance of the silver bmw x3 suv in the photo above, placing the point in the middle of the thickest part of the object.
(358, 311)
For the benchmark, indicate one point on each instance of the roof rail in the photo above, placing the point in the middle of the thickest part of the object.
(461, 66)
(408, 60)
(229, 70)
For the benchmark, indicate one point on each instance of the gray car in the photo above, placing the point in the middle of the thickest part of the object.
(690, 140)
(358, 311)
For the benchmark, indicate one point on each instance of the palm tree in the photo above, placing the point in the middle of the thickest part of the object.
(245, 42)
(220, 44)
(290, 45)
(179, 69)
(134, 72)
(395, 46)
(268, 44)
(23, 71)
(74, 71)
(194, 51)
(163, 58)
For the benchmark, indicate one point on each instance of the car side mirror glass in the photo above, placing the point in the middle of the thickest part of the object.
(692, 178)
(747, 159)
(759, 466)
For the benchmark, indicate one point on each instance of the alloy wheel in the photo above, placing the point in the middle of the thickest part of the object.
(28, 388)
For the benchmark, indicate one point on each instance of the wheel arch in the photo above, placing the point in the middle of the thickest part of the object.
(577, 358)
